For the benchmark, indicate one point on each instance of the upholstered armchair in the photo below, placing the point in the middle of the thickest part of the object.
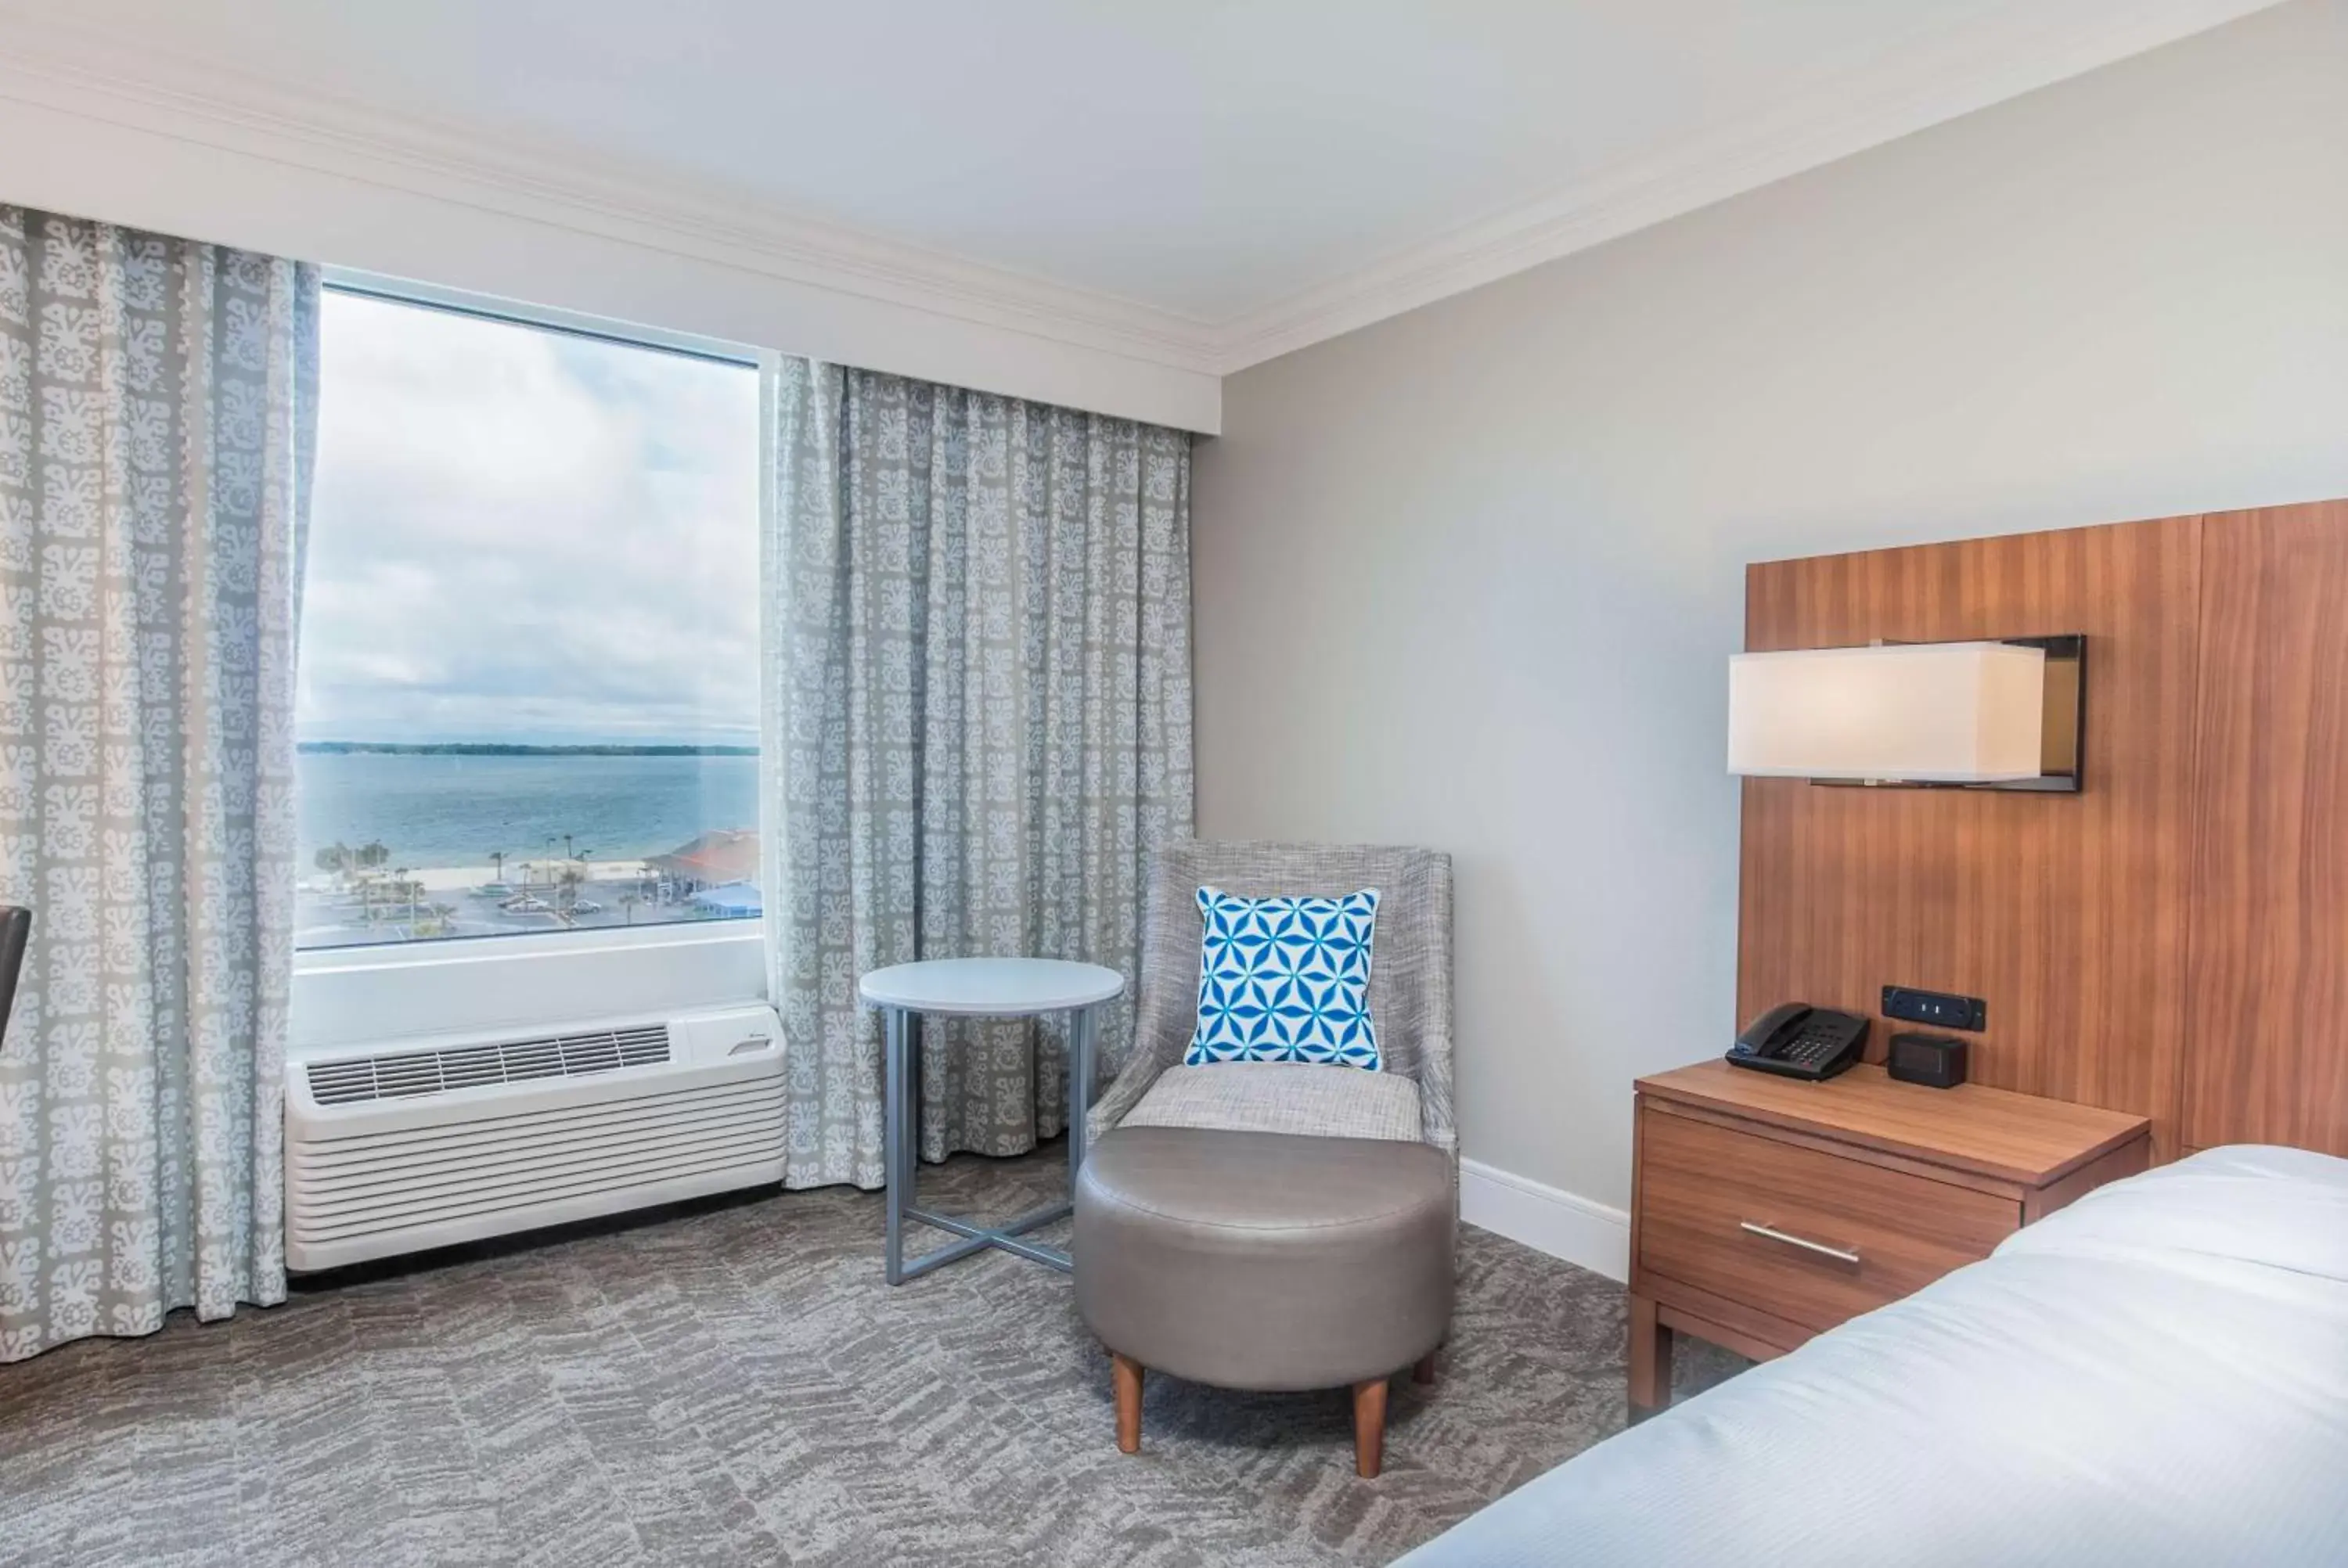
(1278, 1226)
(1410, 999)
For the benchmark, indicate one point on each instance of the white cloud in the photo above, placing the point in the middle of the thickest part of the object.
(520, 535)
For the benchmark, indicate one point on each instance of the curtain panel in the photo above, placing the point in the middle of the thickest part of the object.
(157, 403)
(977, 728)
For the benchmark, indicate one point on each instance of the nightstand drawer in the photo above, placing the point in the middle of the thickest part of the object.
(1808, 1236)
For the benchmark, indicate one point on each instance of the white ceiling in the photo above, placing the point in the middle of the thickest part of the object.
(1234, 177)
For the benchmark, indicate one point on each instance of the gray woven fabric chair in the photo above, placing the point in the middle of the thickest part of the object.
(1278, 1226)
(1410, 970)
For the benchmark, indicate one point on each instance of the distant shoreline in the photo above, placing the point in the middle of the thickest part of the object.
(497, 749)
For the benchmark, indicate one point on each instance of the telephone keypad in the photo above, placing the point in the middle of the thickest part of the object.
(1812, 1049)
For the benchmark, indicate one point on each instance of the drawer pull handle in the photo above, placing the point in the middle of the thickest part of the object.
(1821, 1248)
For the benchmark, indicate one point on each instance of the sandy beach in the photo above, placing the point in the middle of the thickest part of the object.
(332, 912)
(535, 873)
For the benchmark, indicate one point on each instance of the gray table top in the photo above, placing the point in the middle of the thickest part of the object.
(998, 987)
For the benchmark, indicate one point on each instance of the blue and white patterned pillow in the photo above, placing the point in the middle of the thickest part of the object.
(1285, 979)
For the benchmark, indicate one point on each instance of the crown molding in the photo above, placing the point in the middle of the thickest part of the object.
(56, 66)
(1928, 79)
(1934, 78)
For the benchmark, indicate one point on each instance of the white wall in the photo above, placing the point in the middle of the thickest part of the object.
(264, 188)
(1468, 578)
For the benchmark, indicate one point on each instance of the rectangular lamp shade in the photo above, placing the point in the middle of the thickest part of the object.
(1923, 713)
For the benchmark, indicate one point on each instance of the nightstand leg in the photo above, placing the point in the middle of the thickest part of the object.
(1651, 1360)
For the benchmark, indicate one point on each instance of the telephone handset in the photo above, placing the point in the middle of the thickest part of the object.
(1799, 1041)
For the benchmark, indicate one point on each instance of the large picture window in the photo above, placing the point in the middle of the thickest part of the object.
(528, 663)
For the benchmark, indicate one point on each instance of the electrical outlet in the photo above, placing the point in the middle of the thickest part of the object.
(1940, 1008)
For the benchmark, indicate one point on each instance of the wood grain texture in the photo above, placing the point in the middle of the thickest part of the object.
(1703, 1186)
(2016, 1139)
(1752, 1344)
(1650, 1356)
(2130, 1159)
(1369, 1427)
(2269, 1061)
(1125, 1373)
(2067, 913)
(1915, 1181)
(1739, 1325)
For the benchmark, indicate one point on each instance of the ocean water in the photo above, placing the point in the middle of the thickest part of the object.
(441, 811)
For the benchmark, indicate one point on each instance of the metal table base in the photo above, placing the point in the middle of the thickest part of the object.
(902, 1138)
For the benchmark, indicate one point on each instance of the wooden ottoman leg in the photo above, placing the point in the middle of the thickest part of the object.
(1127, 1374)
(1369, 1426)
(1423, 1373)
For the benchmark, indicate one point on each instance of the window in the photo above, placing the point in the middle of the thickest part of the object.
(529, 652)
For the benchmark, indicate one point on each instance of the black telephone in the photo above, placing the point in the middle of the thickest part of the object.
(1800, 1042)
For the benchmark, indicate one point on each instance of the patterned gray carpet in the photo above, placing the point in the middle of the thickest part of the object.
(737, 1385)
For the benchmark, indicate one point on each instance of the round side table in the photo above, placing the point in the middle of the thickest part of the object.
(982, 988)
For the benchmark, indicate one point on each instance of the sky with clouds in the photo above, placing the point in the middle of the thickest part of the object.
(527, 536)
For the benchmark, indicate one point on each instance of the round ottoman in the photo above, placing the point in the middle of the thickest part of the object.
(1266, 1260)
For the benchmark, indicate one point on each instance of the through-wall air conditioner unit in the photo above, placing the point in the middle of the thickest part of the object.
(420, 1143)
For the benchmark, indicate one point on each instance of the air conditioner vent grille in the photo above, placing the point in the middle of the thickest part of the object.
(402, 1075)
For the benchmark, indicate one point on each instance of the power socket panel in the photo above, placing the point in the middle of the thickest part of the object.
(1943, 1009)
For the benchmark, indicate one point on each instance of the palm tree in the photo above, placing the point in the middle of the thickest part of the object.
(498, 858)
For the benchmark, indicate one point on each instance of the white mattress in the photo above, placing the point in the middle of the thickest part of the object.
(2157, 1375)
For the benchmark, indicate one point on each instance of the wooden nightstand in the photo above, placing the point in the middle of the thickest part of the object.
(1765, 1210)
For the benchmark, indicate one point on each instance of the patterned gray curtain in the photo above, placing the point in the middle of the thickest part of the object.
(157, 413)
(978, 727)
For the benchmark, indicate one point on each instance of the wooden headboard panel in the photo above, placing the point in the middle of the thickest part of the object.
(2171, 940)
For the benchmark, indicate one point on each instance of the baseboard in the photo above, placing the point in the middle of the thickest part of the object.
(1547, 1219)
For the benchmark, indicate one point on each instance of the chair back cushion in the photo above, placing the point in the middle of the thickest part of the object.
(1285, 979)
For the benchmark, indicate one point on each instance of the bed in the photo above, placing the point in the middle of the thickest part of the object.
(2158, 1374)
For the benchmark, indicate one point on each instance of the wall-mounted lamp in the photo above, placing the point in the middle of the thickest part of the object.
(1981, 715)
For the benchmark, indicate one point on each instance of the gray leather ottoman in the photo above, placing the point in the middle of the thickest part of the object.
(1266, 1260)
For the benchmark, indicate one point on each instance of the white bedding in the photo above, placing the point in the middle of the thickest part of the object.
(2156, 1375)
